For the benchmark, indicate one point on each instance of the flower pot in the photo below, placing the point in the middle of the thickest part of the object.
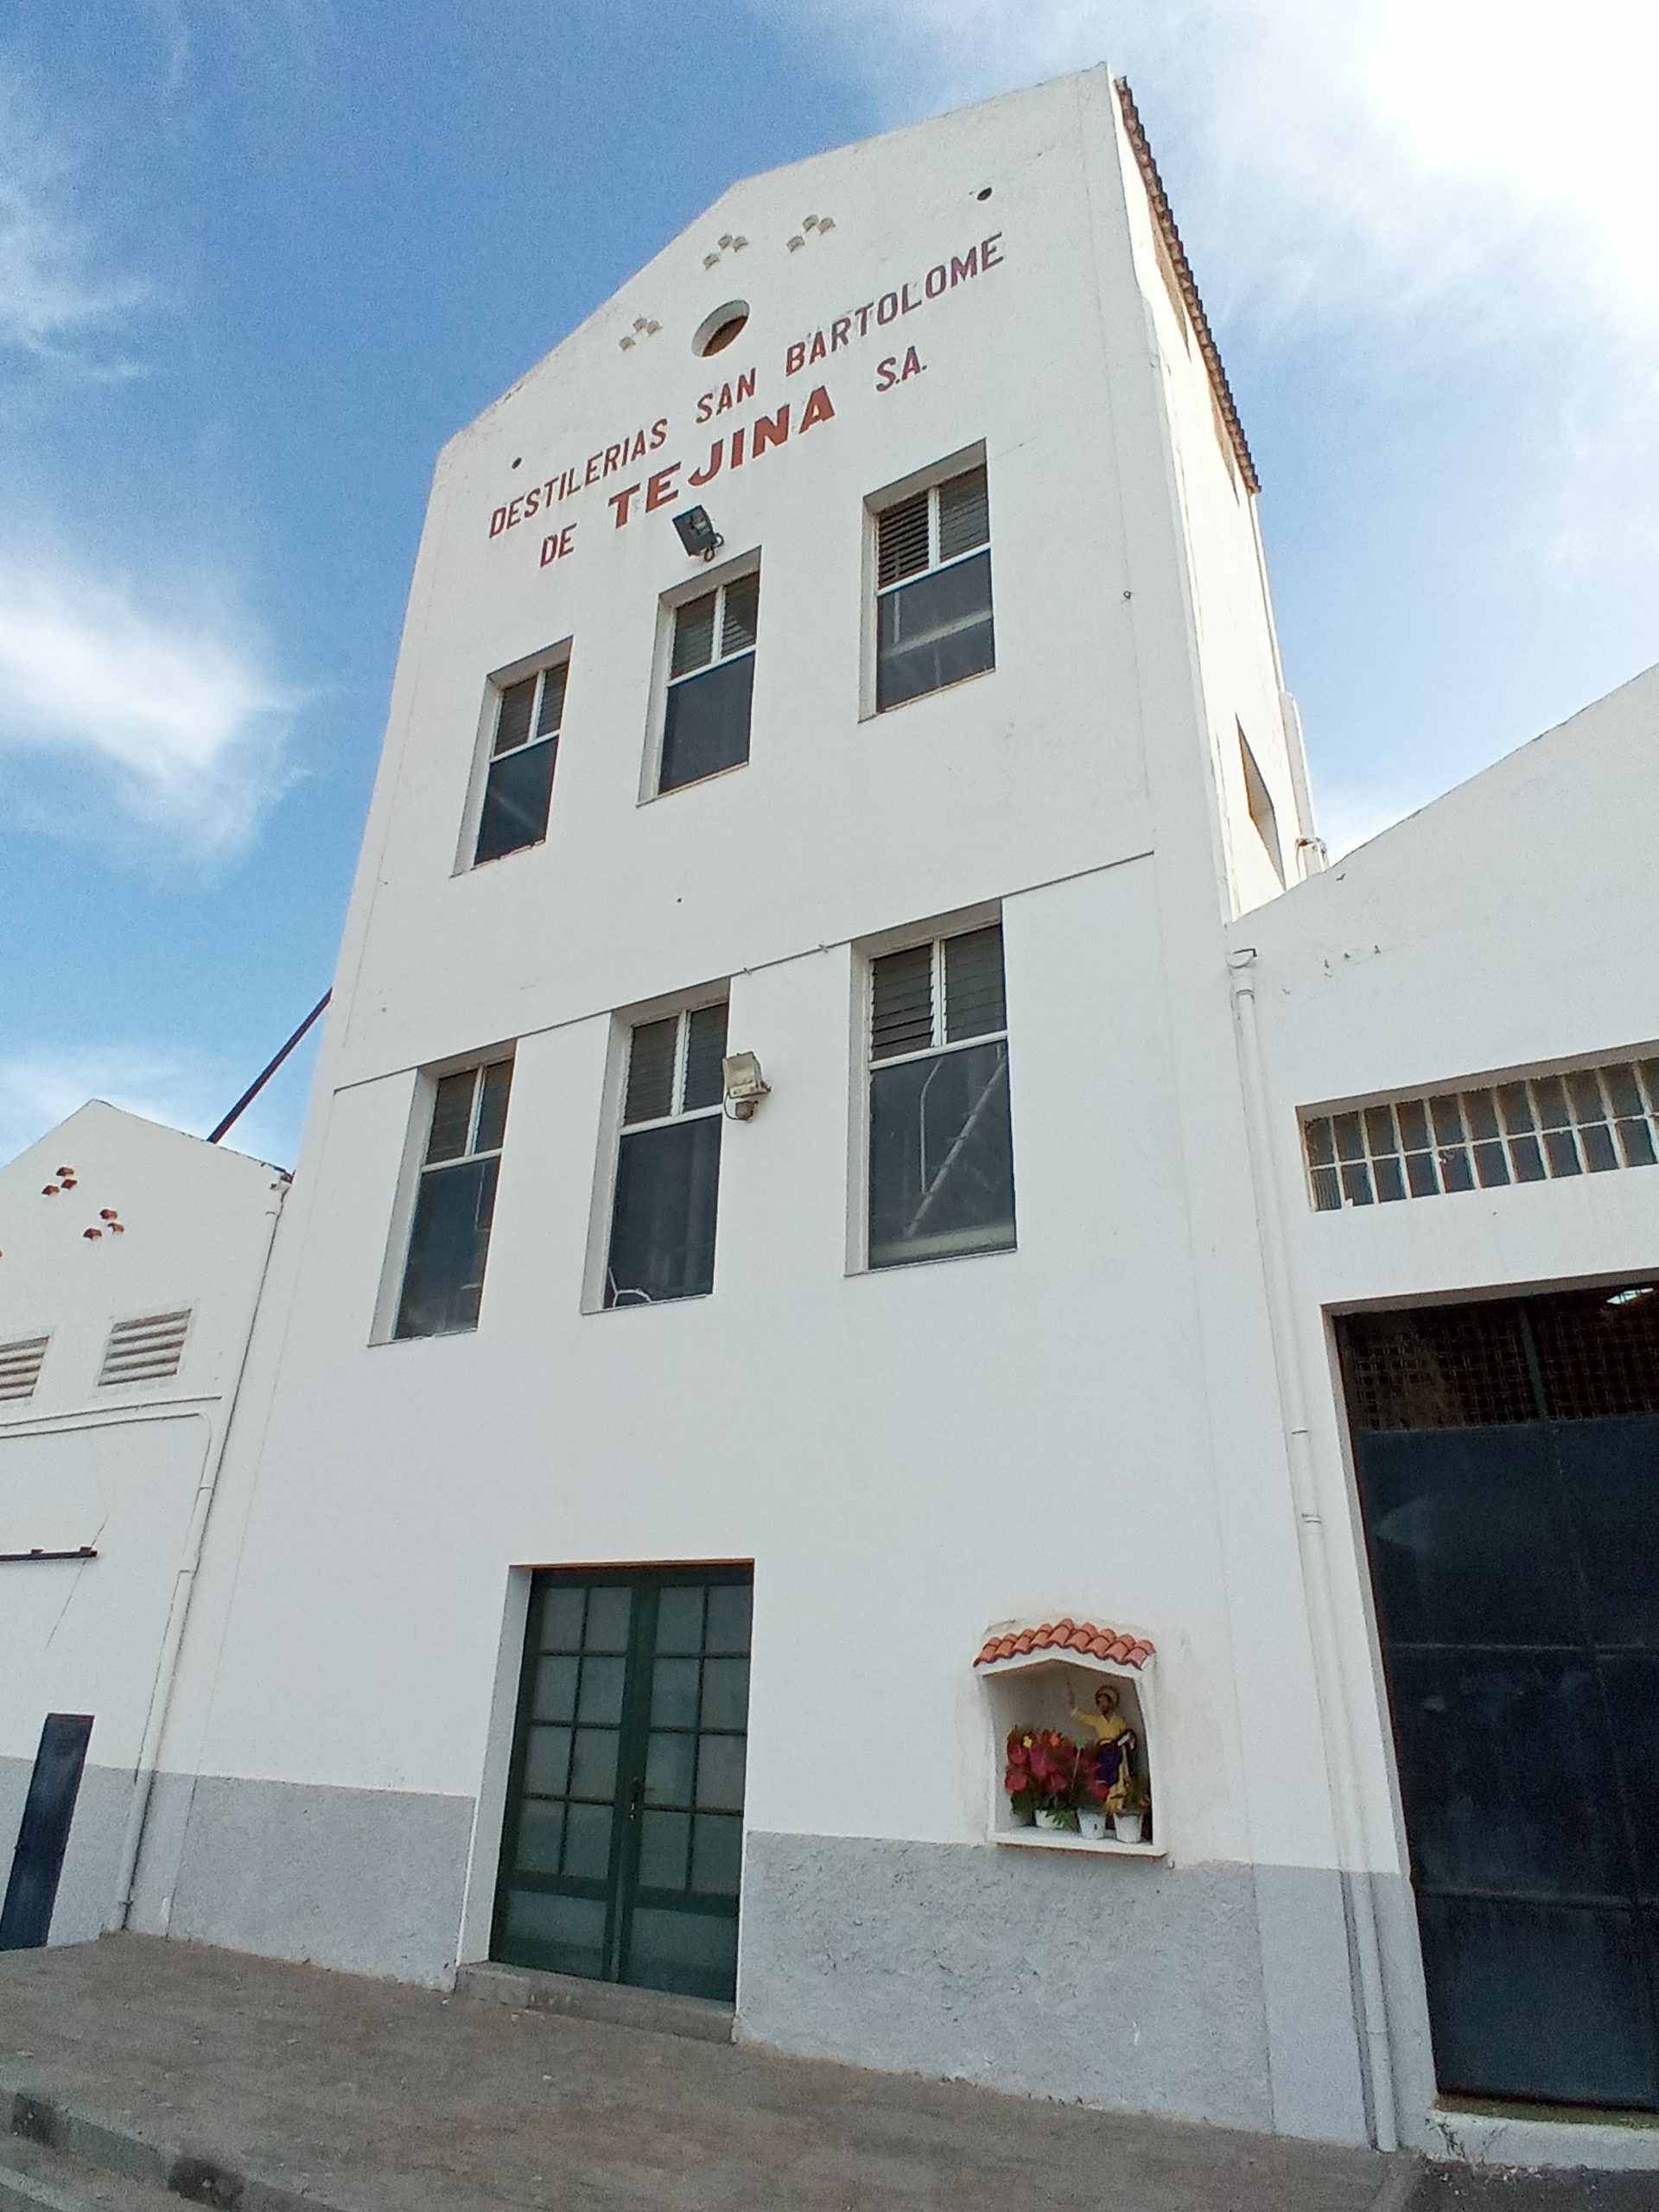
(1127, 1826)
(1092, 1825)
(1052, 1822)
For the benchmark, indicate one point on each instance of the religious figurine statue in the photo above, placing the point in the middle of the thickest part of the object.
(1115, 1743)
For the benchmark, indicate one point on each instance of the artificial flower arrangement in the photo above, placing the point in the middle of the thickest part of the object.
(1057, 1784)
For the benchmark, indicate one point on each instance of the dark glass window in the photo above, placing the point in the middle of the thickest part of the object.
(933, 590)
(449, 1242)
(668, 1162)
(528, 716)
(941, 1137)
(710, 678)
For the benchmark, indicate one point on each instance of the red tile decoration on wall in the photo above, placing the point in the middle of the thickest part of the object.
(1086, 1637)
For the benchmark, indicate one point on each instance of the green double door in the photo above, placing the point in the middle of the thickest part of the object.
(622, 1849)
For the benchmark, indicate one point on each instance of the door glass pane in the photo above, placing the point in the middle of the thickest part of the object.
(593, 1764)
(725, 1693)
(601, 1691)
(1610, 1473)
(941, 1157)
(547, 1761)
(557, 1934)
(717, 1854)
(730, 1606)
(692, 1953)
(1631, 1681)
(588, 1842)
(610, 1609)
(665, 1840)
(674, 1694)
(720, 1773)
(555, 1689)
(541, 1832)
(679, 1619)
(670, 1764)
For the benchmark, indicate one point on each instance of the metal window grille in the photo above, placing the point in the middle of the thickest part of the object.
(20, 1367)
(1535, 1129)
(147, 1350)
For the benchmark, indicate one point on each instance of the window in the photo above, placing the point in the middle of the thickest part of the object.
(710, 677)
(20, 1366)
(1260, 801)
(941, 1141)
(522, 753)
(668, 1163)
(1583, 1122)
(933, 590)
(449, 1242)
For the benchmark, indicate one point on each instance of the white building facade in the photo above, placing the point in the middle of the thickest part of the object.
(812, 1249)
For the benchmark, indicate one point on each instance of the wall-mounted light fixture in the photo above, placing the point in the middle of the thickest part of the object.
(697, 534)
(743, 1084)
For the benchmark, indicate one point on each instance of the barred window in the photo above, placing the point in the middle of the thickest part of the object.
(524, 748)
(933, 590)
(1535, 1129)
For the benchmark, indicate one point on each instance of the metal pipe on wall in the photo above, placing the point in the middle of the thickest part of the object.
(1330, 1675)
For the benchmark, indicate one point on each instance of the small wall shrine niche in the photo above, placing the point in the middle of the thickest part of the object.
(1073, 1714)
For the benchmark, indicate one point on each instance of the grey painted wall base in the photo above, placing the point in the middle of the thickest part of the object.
(1130, 1985)
(369, 1881)
(86, 1888)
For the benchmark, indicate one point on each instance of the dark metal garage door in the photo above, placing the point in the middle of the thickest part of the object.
(1509, 1466)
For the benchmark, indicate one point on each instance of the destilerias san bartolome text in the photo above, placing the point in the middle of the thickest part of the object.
(661, 486)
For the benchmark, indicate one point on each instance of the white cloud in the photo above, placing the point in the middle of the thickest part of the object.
(54, 306)
(176, 717)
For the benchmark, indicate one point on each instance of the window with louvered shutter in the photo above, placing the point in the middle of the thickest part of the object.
(933, 590)
(455, 1205)
(20, 1367)
(710, 683)
(663, 1211)
(523, 752)
(941, 1162)
(145, 1350)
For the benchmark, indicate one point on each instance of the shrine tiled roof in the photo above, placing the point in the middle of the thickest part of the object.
(1086, 1638)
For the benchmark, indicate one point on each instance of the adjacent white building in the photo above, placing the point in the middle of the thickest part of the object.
(842, 1159)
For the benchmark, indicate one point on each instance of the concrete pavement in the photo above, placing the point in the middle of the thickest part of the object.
(245, 2082)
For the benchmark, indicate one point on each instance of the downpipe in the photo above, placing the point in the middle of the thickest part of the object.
(184, 1586)
(1331, 1679)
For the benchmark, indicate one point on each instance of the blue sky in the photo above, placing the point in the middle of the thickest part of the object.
(258, 258)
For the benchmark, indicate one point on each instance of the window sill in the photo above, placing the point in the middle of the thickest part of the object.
(427, 1336)
(495, 860)
(1047, 1840)
(696, 784)
(933, 1260)
(651, 1305)
(873, 714)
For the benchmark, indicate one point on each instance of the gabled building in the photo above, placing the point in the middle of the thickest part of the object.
(824, 1435)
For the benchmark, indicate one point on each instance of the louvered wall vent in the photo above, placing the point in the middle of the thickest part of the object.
(20, 1367)
(148, 1350)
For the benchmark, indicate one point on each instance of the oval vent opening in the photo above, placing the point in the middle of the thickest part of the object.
(715, 332)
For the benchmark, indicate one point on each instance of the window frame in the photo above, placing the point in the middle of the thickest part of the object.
(679, 1008)
(496, 684)
(862, 1065)
(877, 503)
(412, 1174)
(714, 579)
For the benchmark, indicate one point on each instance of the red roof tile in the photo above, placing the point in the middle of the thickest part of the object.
(1086, 1637)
